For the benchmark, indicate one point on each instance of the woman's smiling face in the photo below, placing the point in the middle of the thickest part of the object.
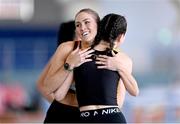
(86, 26)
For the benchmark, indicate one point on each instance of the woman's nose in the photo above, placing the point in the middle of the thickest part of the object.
(83, 27)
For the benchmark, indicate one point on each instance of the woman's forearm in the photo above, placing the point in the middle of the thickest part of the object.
(61, 92)
(40, 84)
(57, 74)
(49, 97)
(45, 89)
(129, 82)
(56, 80)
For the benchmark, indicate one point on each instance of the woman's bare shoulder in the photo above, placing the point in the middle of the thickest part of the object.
(67, 44)
(125, 57)
(64, 48)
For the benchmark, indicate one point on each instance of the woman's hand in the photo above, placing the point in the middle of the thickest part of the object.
(78, 57)
(115, 63)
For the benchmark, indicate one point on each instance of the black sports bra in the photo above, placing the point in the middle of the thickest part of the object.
(96, 86)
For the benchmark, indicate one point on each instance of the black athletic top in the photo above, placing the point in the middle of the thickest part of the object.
(96, 86)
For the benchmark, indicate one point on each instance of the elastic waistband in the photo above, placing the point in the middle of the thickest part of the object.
(103, 111)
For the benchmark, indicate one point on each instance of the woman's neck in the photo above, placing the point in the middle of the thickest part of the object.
(85, 44)
(102, 46)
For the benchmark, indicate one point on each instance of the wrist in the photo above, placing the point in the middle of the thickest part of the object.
(68, 67)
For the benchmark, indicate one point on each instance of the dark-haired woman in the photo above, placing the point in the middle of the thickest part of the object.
(97, 81)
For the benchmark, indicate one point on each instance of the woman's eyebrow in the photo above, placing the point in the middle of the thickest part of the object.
(83, 20)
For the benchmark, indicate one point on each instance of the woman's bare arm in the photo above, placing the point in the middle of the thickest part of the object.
(123, 64)
(70, 98)
(40, 84)
(125, 71)
(61, 92)
(56, 74)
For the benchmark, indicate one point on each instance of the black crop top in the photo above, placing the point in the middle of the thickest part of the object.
(96, 86)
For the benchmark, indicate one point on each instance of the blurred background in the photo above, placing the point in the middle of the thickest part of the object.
(28, 38)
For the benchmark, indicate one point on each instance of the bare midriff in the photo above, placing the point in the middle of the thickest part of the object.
(94, 107)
